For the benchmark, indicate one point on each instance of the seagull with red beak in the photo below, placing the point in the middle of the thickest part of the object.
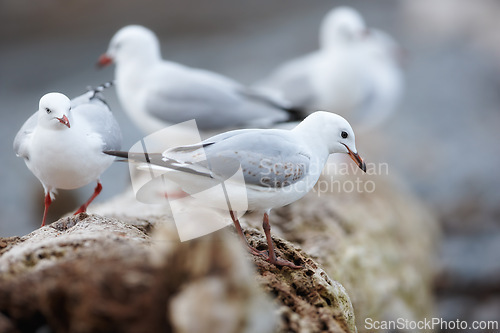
(356, 72)
(278, 166)
(63, 142)
(157, 93)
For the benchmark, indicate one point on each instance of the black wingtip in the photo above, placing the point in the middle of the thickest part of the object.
(101, 87)
(96, 91)
(117, 153)
(296, 113)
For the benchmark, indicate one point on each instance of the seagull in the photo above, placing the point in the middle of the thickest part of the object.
(157, 93)
(355, 72)
(62, 143)
(279, 166)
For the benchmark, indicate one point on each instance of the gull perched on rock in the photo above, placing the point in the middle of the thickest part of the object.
(355, 72)
(279, 166)
(63, 142)
(157, 93)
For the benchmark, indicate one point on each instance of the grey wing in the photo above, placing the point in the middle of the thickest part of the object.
(92, 108)
(213, 102)
(195, 153)
(23, 134)
(267, 158)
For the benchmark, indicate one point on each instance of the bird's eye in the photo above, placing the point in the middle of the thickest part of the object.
(344, 135)
(49, 111)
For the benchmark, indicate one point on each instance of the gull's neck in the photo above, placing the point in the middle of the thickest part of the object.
(140, 59)
(132, 70)
(313, 136)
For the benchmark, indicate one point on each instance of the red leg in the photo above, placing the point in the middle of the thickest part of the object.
(48, 201)
(83, 208)
(251, 249)
(272, 255)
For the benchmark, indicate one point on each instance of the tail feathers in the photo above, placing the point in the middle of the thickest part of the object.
(117, 153)
(96, 91)
(159, 160)
(101, 87)
(155, 158)
(296, 113)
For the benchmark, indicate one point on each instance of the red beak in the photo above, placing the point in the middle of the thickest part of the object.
(104, 60)
(356, 158)
(64, 120)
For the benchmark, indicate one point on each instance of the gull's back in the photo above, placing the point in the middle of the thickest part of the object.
(92, 109)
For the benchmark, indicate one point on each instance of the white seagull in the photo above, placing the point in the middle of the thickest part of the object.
(355, 72)
(62, 143)
(157, 93)
(279, 166)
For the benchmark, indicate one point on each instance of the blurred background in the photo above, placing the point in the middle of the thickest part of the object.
(443, 142)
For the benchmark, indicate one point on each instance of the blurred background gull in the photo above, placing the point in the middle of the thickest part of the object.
(442, 140)
(355, 72)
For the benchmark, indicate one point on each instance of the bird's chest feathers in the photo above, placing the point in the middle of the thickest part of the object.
(66, 148)
(130, 79)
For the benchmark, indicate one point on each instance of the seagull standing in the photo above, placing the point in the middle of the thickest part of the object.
(157, 93)
(354, 73)
(62, 143)
(279, 166)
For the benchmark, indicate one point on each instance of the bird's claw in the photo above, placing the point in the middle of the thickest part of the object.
(264, 254)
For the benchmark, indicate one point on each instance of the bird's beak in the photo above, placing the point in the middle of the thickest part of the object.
(64, 120)
(104, 60)
(356, 158)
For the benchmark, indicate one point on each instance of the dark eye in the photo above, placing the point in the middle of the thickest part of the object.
(48, 110)
(344, 135)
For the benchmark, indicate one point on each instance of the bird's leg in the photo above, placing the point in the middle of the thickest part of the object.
(83, 208)
(272, 255)
(251, 249)
(48, 201)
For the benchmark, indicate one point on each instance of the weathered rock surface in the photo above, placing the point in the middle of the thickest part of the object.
(90, 273)
(130, 273)
(379, 245)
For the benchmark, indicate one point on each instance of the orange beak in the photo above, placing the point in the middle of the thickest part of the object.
(356, 158)
(104, 60)
(64, 120)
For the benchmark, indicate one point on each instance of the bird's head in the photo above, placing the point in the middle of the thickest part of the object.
(336, 132)
(53, 111)
(131, 43)
(342, 24)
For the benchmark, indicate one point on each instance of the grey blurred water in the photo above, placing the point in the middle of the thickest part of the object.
(443, 141)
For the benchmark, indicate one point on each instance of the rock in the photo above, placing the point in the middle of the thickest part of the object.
(91, 273)
(379, 245)
(80, 274)
(310, 300)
